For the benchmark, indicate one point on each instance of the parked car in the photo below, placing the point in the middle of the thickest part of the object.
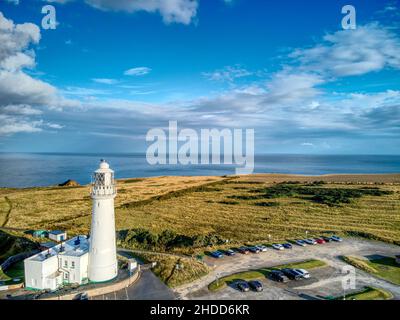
(243, 286)
(256, 285)
(254, 250)
(279, 276)
(243, 250)
(310, 241)
(217, 254)
(327, 239)
(229, 252)
(287, 245)
(301, 243)
(292, 274)
(320, 241)
(262, 248)
(336, 238)
(278, 246)
(304, 273)
(82, 296)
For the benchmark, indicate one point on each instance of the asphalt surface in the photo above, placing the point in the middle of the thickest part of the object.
(148, 287)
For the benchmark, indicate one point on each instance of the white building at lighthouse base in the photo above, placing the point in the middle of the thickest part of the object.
(66, 263)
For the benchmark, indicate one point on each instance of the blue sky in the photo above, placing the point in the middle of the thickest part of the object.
(112, 70)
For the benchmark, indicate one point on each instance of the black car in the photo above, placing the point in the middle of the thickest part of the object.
(287, 246)
(82, 296)
(254, 250)
(243, 250)
(327, 239)
(292, 274)
(256, 286)
(243, 286)
(229, 252)
(278, 276)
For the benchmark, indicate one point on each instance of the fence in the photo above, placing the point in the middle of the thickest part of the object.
(14, 259)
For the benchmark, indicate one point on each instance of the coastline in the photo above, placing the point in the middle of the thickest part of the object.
(367, 178)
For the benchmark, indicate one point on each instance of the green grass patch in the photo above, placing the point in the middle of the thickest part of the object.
(16, 271)
(262, 273)
(359, 264)
(386, 268)
(173, 270)
(369, 293)
(329, 196)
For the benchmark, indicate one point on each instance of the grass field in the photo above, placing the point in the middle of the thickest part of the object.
(16, 271)
(262, 273)
(237, 209)
(382, 267)
(368, 293)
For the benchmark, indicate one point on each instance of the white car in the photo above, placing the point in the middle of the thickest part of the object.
(262, 248)
(304, 273)
(310, 241)
(278, 246)
(301, 243)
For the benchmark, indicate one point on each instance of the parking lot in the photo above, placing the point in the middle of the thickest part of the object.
(325, 281)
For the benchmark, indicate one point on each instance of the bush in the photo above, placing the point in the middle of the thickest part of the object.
(266, 204)
(328, 196)
(166, 240)
(360, 264)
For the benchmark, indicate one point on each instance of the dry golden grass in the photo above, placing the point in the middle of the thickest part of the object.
(70, 207)
(204, 212)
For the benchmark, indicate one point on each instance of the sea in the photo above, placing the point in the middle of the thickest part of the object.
(19, 170)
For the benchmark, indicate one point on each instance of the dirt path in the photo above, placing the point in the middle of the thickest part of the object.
(7, 218)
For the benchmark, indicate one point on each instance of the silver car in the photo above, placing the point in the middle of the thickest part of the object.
(303, 273)
(310, 241)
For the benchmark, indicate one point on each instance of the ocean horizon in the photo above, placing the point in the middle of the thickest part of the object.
(20, 170)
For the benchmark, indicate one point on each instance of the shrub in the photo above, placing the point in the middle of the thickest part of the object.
(360, 264)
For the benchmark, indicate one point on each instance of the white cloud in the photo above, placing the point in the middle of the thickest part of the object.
(180, 11)
(54, 125)
(11, 125)
(367, 49)
(290, 87)
(105, 80)
(21, 95)
(227, 74)
(138, 71)
(22, 109)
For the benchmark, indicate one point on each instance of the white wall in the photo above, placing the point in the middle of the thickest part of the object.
(37, 272)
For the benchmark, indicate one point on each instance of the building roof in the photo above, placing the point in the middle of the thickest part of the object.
(49, 244)
(72, 247)
(57, 232)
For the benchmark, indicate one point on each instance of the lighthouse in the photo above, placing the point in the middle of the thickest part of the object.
(102, 249)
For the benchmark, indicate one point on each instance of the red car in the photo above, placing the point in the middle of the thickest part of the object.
(320, 241)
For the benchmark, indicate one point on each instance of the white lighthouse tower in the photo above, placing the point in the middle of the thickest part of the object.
(102, 252)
